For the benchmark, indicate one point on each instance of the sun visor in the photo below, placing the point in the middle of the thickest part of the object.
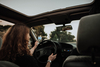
(89, 34)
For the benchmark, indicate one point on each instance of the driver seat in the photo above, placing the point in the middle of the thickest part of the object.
(88, 43)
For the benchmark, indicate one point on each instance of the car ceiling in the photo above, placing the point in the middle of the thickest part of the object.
(60, 16)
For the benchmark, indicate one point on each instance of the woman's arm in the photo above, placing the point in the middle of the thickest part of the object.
(50, 59)
(32, 49)
(48, 64)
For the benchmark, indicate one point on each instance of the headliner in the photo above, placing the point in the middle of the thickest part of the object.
(60, 16)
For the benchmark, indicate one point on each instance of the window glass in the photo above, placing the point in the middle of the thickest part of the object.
(50, 32)
(34, 7)
(4, 25)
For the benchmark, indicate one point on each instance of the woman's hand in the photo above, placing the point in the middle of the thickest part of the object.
(52, 57)
(33, 48)
(36, 44)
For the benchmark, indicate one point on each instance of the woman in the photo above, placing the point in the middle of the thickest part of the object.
(15, 47)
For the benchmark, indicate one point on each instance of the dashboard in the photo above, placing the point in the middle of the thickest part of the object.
(64, 49)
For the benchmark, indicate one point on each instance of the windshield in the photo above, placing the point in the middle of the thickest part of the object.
(49, 32)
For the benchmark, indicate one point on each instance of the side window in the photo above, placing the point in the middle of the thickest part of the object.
(30, 43)
(4, 26)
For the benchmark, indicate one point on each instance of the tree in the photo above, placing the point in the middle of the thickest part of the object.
(54, 36)
(40, 31)
(3, 29)
(58, 36)
(61, 36)
(70, 37)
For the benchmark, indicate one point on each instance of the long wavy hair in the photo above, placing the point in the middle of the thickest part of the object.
(14, 43)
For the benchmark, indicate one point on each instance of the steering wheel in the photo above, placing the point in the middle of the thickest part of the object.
(42, 52)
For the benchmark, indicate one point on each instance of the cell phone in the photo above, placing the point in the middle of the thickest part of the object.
(33, 35)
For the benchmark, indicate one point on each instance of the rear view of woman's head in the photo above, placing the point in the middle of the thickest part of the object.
(15, 41)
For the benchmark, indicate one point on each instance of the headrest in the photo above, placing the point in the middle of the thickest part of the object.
(88, 36)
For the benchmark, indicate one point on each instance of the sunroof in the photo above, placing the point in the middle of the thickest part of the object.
(3, 22)
(34, 7)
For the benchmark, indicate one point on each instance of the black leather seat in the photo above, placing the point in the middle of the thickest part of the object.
(7, 64)
(88, 43)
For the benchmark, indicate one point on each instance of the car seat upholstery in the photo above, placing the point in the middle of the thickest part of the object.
(88, 43)
(7, 64)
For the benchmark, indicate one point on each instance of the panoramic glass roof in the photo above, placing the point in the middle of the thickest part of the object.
(34, 7)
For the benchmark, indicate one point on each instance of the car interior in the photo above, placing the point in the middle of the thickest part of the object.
(86, 46)
(0, 42)
(87, 50)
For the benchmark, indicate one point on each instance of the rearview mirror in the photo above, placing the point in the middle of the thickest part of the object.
(63, 28)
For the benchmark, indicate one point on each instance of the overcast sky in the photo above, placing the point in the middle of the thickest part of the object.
(2, 22)
(34, 7)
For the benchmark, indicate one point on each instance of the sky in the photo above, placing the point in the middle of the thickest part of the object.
(34, 7)
(2, 22)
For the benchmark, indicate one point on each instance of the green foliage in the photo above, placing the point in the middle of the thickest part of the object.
(40, 31)
(61, 36)
(70, 37)
(4, 28)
